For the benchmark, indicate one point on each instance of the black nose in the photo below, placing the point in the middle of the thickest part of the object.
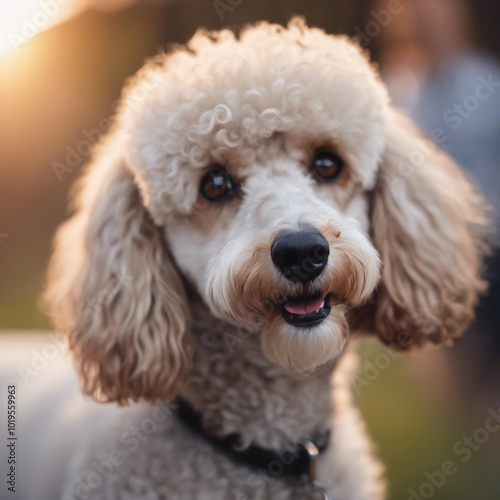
(301, 255)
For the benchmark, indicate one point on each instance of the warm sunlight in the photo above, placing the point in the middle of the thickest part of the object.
(22, 19)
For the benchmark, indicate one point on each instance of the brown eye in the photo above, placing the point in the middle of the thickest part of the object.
(217, 186)
(326, 165)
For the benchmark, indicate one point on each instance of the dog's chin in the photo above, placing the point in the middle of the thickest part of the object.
(303, 342)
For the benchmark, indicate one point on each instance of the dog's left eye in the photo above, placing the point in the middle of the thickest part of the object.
(217, 185)
(326, 165)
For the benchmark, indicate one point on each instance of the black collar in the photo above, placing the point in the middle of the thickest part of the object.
(294, 460)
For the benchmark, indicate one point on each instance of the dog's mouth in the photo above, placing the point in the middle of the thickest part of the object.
(306, 310)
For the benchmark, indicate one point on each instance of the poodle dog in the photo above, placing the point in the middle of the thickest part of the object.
(257, 200)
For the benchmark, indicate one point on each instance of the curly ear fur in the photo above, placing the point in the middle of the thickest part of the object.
(113, 290)
(428, 224)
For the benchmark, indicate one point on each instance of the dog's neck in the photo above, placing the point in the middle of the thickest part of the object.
(237, 390)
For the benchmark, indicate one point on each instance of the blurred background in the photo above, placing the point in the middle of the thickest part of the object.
(62, 65)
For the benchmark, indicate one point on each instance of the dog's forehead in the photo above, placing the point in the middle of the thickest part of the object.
(264, 88)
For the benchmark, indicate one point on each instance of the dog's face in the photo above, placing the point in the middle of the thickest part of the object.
(270, 220)
(282, 184)
(280, 246)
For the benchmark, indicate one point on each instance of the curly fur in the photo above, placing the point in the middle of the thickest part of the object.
(109, 295)
(432, 246)
(150, 281)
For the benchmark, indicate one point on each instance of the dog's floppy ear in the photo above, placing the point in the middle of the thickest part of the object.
(428, 224)
(113, 289)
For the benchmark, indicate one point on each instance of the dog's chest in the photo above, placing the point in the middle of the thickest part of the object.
(168, 464)
(150, 455)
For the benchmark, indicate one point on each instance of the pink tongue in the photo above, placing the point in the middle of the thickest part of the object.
(305, 307)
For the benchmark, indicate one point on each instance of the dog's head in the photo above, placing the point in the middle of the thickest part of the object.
(272, 173)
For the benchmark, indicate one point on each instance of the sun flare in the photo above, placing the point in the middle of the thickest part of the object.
(22, 19)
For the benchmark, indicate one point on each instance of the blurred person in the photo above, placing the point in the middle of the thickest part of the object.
(451, 87)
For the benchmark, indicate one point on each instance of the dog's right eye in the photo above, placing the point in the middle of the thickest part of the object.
(217, 185)
(326, 165)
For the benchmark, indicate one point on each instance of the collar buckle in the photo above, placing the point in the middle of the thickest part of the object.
(312, 485)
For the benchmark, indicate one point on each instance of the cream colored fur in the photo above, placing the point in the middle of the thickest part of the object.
(149, 281)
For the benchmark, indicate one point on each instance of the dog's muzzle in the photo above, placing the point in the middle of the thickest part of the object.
(301, 256)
